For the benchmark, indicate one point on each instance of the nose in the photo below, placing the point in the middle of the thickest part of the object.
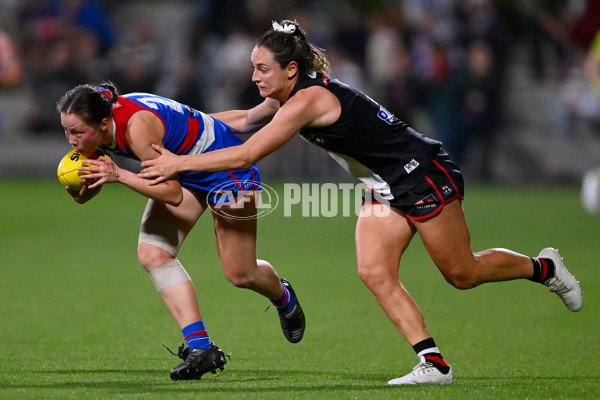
(72, 139)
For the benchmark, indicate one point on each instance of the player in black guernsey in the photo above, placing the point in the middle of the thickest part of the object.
(415, 187)
(392, 157)
(379, 149)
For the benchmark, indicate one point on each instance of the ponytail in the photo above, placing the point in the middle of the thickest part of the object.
(112, 91)
(288, 42)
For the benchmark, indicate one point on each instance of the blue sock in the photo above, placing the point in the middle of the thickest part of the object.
(196, 336)
(286, 302)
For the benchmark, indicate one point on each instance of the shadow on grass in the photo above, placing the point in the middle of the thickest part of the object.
(235, 381)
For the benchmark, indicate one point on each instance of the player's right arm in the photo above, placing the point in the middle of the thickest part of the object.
(144, 128)
(249, 121)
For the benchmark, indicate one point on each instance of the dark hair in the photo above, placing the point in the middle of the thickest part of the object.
(91, 103)
(294, 46)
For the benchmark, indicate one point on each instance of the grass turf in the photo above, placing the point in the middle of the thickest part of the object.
(80, 319)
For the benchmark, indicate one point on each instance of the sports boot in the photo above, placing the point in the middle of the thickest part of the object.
(563, 284)
(424, 374)
(293, 322)
(197, 362)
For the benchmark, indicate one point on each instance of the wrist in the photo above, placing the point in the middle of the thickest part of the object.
(182, 164)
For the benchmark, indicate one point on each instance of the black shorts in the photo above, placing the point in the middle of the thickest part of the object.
(442, 183)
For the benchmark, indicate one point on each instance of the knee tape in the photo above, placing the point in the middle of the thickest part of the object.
(170, 274)
(162, 235)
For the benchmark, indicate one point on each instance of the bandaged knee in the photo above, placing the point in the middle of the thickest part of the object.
(169, 275)
(162, 235)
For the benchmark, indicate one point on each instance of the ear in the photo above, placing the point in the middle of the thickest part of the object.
(104, 124)
(292, 69)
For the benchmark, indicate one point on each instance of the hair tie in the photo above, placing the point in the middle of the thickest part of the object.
(287, 29)
(107, 93)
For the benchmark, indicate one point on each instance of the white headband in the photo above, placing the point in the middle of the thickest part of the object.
(287, 29)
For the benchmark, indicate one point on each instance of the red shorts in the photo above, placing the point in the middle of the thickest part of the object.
(440, 185)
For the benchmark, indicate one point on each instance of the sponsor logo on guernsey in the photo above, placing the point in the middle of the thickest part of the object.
(386, 116)
(446, 190)
(411, 166)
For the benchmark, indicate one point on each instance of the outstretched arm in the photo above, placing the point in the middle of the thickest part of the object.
(310, 107)
(248, 121)
(265, 141)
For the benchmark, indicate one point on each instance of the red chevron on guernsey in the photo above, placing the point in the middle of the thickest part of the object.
(191, 135)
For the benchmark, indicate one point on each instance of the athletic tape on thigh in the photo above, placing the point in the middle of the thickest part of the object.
(170, 274)
(162, 235)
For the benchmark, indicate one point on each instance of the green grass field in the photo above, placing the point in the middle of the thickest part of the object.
(81, 320)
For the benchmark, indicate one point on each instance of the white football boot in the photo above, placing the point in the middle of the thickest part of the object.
(424, 374)
(563, 284)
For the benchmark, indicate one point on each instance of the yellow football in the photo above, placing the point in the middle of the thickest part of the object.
(68, 169)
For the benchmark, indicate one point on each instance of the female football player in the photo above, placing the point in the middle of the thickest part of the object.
(408, 174)
(98, 117)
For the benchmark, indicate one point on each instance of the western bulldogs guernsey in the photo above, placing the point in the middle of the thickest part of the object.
(369, 142)
(187, 132)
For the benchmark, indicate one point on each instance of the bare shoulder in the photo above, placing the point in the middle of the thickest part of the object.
(314, 93)
(143, 129)
(323, 106)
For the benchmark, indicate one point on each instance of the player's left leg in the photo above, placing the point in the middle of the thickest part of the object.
(235, 231)
(162, 232)
(447, 240)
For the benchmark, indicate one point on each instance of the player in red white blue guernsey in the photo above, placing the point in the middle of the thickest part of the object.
(97, 117)
(187, 132)
(414, 187)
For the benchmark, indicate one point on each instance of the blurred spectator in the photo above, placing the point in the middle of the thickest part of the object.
(48, 80)
(346, 69)
(11, 69)
(351, 35)
(63, 42)
(136, 59)
(89, 16)
(579, 98)
(383, 41)
(474, 91)
(547, 24)
(583, 30)
(181, 83)
(591, 65)
(229, 67)
(405, 94)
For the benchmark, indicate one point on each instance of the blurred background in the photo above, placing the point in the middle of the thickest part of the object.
(511, 87)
